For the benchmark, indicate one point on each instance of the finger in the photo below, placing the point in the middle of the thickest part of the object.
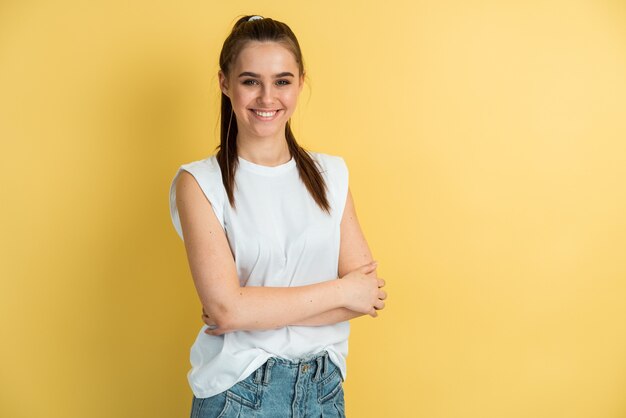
(379, 305)
(373, 313)
(382, 295)
(207, 319)
(210, 323)
(369, 267)
(381, 282)
(212, 330)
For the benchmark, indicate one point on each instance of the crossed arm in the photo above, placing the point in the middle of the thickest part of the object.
(353, 253)
(233, 307)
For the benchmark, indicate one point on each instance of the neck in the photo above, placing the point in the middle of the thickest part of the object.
(264, 151)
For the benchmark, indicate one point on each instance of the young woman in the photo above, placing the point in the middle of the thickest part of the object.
(274, 245)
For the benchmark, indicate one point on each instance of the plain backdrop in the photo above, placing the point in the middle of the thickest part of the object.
(487, 156)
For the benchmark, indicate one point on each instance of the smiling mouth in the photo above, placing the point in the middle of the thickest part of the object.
(265, 113)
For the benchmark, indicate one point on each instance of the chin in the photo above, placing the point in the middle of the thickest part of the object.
(272, 134)
(268, 132)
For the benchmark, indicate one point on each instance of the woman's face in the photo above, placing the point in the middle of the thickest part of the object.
(263, 86)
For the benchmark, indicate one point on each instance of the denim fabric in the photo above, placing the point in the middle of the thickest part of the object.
(311, 387)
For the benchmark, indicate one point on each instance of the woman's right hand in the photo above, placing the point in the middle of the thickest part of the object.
(363, 291)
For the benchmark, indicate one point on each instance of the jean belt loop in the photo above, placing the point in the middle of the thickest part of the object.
(318, 369)
(268, 368)
(258, 374)
(325, 362)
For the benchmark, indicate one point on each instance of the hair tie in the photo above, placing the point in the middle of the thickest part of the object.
(256, 17)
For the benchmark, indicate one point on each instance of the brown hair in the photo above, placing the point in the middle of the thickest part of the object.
(264, 29)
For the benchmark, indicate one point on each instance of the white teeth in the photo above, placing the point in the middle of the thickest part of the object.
(265, 114)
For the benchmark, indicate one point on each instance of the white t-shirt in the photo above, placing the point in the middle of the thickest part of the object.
(278, 236)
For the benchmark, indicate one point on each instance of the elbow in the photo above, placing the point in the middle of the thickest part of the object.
(226, 311)
(223, 318)
(226, 324)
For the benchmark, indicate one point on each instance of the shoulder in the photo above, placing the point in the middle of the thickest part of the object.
(206, 173)
(328, 162)
(335, 172)
(208, 165)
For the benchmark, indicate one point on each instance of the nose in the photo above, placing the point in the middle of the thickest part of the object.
(266, 95)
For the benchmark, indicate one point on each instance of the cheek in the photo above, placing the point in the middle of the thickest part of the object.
(240, 101)
(290, 98)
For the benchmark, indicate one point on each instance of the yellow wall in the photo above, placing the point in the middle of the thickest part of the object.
(486, 143)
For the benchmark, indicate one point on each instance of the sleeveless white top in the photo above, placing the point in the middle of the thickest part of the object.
(278, 236)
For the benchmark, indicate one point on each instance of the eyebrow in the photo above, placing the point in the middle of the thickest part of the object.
(250, 74)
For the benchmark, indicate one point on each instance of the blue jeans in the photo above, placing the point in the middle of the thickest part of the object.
(280, 388)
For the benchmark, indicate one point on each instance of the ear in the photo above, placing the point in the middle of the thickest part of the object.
(223, 82)
(301, 82)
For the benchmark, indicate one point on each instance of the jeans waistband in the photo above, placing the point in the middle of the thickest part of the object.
(319, 362)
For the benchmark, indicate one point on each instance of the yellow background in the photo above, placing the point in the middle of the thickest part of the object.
(487, 153)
